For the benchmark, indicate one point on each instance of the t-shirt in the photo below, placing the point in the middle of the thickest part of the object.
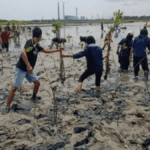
(56, 40)
(5, 36)
(93, 54)
(125, 47)
(32, 53)
(140, 43)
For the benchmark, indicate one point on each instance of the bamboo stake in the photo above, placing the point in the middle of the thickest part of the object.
(53, 91)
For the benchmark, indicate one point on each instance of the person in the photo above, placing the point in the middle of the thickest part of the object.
(145, 25)
(93, 54)
(58, 41)
(140, 44)
(107, 40)
(126, 45)
(5, 36)
(0, 39)
(26, 63)
(8, 27)
(13, 27)
(102, 27)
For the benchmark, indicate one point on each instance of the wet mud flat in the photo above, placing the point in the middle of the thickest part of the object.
(117, 120)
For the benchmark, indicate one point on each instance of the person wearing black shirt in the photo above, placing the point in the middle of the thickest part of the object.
(26, 63)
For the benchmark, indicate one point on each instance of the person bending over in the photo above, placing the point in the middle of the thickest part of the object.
(58, 41)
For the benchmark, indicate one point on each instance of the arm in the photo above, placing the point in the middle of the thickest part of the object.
(26, 61)
(131, 52)
(117, 52)
(71, 56)
(78, 55)
(52, 51)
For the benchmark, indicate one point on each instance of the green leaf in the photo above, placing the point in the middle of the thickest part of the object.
(54, 31)
(112, 29)
(58, 24)
(118, 19)
(69, 36)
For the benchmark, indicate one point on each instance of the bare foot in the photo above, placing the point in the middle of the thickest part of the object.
(79, 86)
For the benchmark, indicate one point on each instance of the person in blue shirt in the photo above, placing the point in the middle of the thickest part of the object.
(94, 57)
(126, 45)
(140, 44)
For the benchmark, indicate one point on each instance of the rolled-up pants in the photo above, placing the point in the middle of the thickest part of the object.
(136, 63)
(87, 73)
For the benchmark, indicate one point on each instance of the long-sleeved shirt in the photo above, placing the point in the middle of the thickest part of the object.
(93, 54)
(140, 43)
(125, 47)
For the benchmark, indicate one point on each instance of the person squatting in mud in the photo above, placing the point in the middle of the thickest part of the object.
(26, 63)
(140, 44)
(126, 45)
(94, 57)
(57, 41)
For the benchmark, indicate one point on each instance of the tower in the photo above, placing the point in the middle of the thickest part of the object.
(76, 12)
(63, 11)
(58, 12)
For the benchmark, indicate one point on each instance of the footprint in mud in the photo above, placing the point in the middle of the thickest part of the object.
(84, 141)
(22, 121)
(79, 129)
(2, 134)
(40, 116)
(21, 109)
(43, 147)
(146, 144)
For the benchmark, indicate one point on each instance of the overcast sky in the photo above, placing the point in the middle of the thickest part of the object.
(36, 9)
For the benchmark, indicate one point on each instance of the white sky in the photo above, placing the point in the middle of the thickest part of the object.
(36, 9)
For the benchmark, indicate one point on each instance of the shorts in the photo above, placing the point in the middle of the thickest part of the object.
(20, 75)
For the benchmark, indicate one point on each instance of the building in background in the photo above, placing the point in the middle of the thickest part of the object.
(82, 18)
(71, 18)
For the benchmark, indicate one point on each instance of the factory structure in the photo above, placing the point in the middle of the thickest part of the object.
(67, 17)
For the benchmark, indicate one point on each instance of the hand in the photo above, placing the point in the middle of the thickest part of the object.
(60, 49)
(106, 56)
(29, 69)
(130, 58)
(79, 86)
(62, 55)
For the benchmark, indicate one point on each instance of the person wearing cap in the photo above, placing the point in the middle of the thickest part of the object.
(94, 57)
(26, 63)
(140, 44)
(126, 44)
(4, 37)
